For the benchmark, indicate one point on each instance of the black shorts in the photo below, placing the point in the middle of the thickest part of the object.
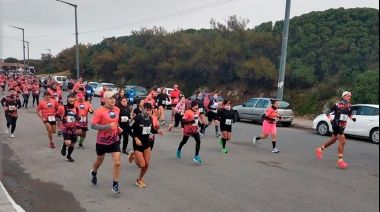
(51, 122)
(211, 116)
(70, 137)
(337, 130)
(102, 149)
(173, 106)
(88, 98)
(144, 146)
(82, 128)
(224, 127)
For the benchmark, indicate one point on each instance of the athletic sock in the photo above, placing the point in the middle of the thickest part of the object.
(274, 144)
(224, 141)
(70, 150)
(258, 138)
(340, 157)
(81, 140)
(216, 129)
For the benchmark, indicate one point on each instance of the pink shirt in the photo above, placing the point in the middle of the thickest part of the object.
(104, 116)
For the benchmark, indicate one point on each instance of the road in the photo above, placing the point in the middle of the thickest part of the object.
(247, 178)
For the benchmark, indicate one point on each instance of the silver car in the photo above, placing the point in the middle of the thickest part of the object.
(255, 108)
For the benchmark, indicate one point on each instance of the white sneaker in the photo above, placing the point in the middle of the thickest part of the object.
(275, 150)
(13, 135)
(6, 130)
(254, 141)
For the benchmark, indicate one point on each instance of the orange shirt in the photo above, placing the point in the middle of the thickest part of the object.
(35, 89)
(101, 93)
(83, 109)
(25, 88)
(104, 116)
(151, 101)
(271, 113)
(56, 95)
(48, 108)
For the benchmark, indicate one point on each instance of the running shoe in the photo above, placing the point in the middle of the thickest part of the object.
(59, 133)
(200, 133)
(197, 159)
(224, 150)
(140, 183)
(217, 135)
(163, 122)
(125, 152)
(130, 158)
(80, 146)
(13, 135)
(115, 188)
(275, 150)
(254, 141)
(318, 153)
(170, 127)
(342, 164)
(52, 145)
(93, 179)
(178, 153)
(68, 158)
(6, 130)
(63, 150)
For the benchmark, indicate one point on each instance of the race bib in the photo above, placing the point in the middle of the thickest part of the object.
(70, 119)
(36, 92)
(82, 119)
(343, 117)
(88, 91)
(26, 92)
(196, 122)
(201, 110)
(51, 118)
(163, 102)
(56, 99)
(176, 100)
(131, 99)
(228, 121)
(124, 118)
(2, 84)
(181, 113)
(12, 107)
(146, 130)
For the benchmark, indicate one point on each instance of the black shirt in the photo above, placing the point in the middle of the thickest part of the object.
(124, 117)
(141, 128)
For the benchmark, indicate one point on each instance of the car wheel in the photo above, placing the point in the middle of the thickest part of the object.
(286, 124)
(374, 136)
(323, 128)
(236, 116)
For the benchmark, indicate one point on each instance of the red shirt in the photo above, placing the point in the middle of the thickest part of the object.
(48, 108)
(174, 95)
(83, 109)
(104, 116)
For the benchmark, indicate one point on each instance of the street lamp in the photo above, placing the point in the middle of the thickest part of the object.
(76, 35)
(23, 42)
(27, 45)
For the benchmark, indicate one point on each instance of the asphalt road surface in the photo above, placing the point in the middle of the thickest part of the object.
(247, 178)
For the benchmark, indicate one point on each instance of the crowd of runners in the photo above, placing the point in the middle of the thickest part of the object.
(117, 119)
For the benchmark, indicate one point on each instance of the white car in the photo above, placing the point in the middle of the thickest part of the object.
(99, 87)
(366, 125)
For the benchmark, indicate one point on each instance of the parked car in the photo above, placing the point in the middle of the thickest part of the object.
(207, 98)
(255, 108)
(168, 91)
(94, 85)
(60, 80)
(100, 87)
(366, 125)
(141, 92)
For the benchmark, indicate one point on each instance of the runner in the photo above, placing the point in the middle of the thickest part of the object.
(89, 92)
(101, 94)
(69, 116)
(10, 104)
(174, 95)
(211, 115)
(162, 99)
(56, 94)
(225, 117)
(131, 93)
(82, 124)
(105, 121)
(179, 111)
(125, 115)
(26, 88)
(342, 111)
(201, 108)
(190, 120)
(141, 129)
(46, 110)
(269, 125)
(36, 92)
(139, 108)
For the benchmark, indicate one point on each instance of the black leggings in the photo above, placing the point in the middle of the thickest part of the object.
(125, 136)
(26, 99)
(197, 141)
(36, 98)
(11, 120)
(177, 120)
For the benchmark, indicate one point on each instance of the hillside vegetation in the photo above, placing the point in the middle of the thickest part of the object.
(328, 52)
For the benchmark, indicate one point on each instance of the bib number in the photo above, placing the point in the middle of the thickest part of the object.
(56, 99)
(163, 102)
(146, 130)
(36, 92)
(124, 118)
(26, 92)
(51, 118)
(88, 91)
(201, 110)
(343, 117)
(70, 119)
(176, 100)
(228, 121)
(82, 119)
(11, 107)
(196, 122)
(131, 99)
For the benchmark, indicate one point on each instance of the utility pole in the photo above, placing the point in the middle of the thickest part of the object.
(281, 77)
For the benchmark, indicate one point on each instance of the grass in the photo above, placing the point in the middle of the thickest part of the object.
(62, 73)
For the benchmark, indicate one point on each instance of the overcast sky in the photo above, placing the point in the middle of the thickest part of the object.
(49, 24)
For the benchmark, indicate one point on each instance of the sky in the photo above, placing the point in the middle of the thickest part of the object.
(49, 25)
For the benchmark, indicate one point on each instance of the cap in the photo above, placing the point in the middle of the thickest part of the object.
(193, 103)
(345, 93)
(108, 94)
(80, 95)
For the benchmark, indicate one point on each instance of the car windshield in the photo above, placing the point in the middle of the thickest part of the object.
(140, 89)
(284, 105)
(110, 85)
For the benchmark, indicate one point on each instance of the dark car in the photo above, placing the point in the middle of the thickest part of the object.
(141, 92)
(207, 98)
